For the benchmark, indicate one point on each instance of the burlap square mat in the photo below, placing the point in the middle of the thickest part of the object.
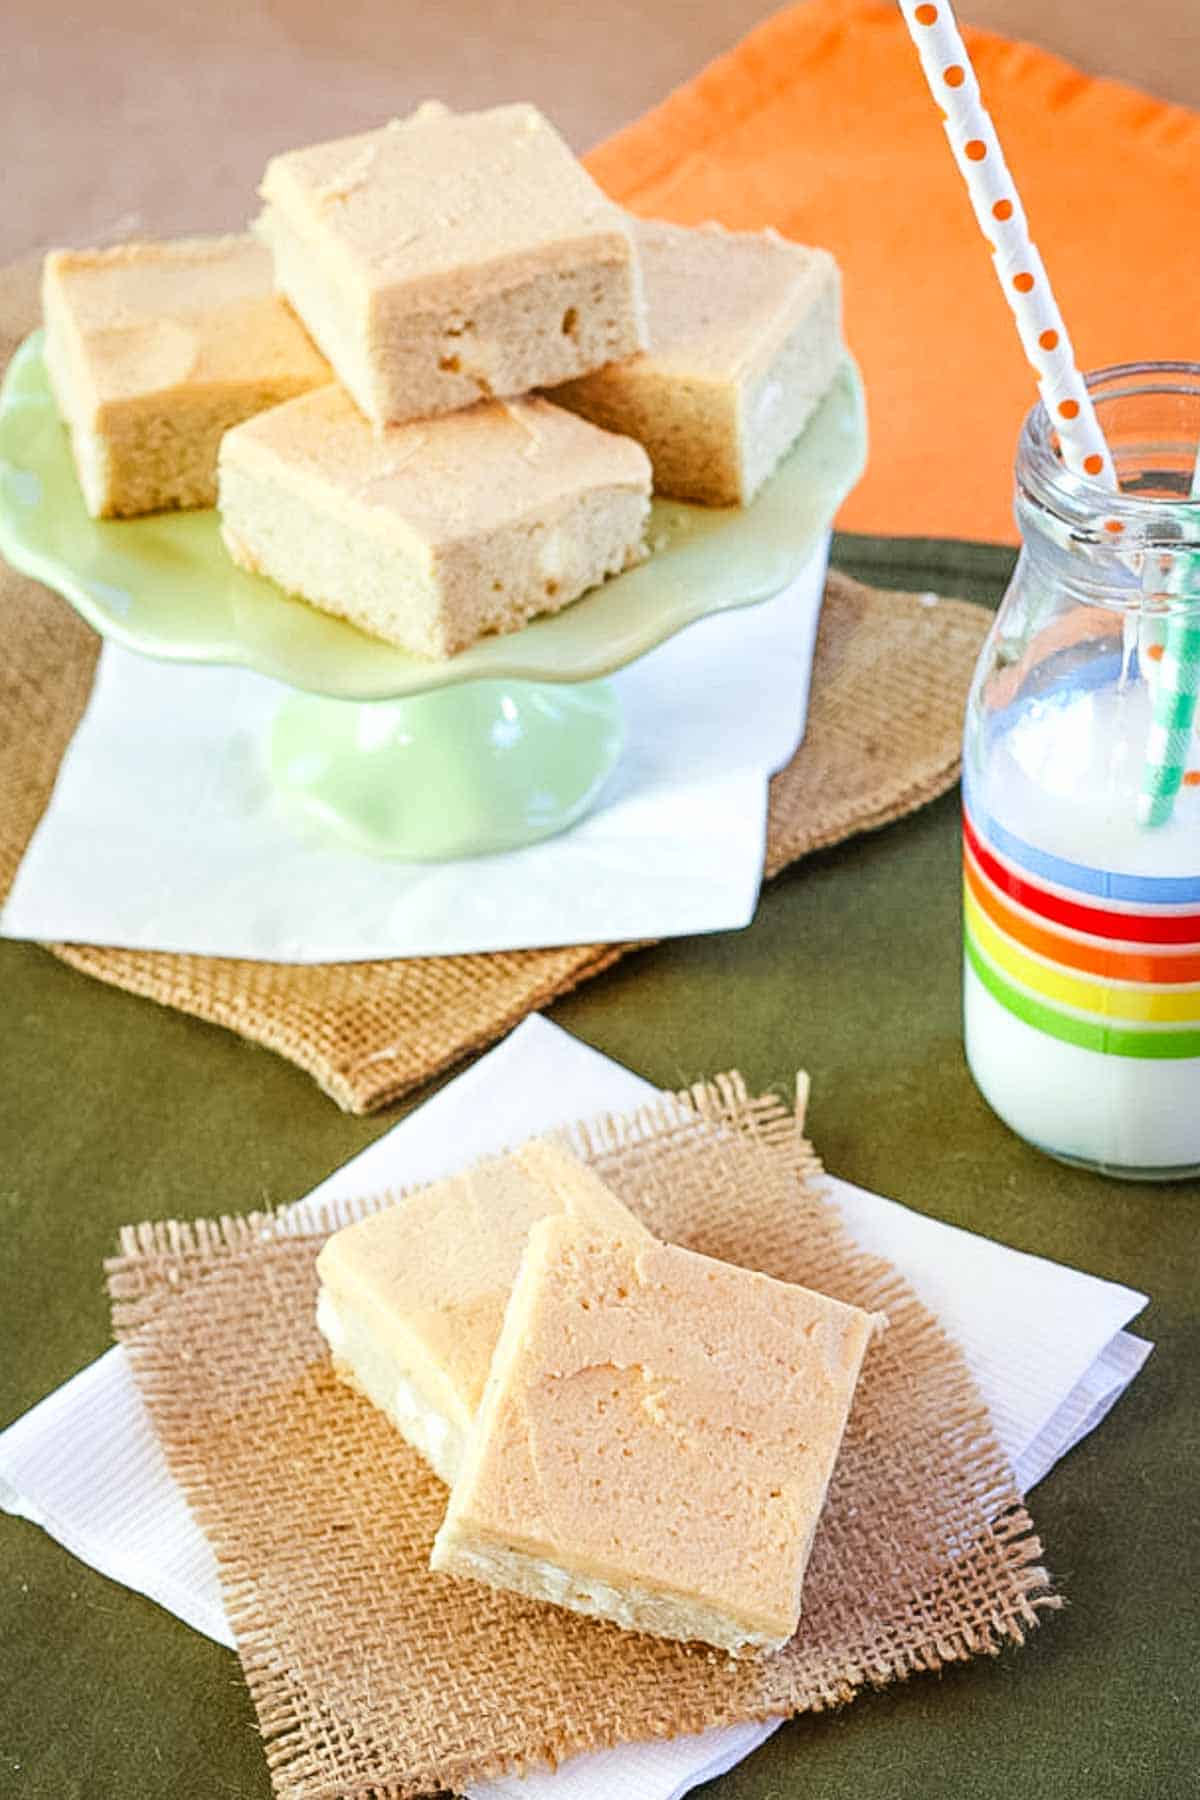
(373, 1677)
(889, 682)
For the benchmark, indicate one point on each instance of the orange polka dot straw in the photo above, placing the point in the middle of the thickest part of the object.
(952, 82)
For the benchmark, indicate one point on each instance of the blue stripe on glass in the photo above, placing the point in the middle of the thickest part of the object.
(1103, 884)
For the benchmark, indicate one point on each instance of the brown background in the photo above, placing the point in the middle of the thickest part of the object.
(139, 117)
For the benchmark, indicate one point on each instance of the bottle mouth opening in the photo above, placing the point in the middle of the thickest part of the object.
(1149, 413)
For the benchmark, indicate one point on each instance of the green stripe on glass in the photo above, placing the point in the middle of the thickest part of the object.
(1088, 1034)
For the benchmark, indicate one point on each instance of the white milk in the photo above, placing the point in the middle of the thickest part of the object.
(1065, 779)
(1118, 1112)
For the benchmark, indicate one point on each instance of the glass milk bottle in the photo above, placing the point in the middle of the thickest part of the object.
(1081, 868)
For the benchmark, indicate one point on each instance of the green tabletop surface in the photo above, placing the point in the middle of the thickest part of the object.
(113, 1109)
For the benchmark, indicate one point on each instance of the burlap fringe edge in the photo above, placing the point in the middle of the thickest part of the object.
(723, 1099)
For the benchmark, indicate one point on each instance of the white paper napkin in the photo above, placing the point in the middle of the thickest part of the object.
(165, 832)
(1045, 1343)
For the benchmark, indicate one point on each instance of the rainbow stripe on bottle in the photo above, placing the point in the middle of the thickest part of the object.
(1103, 960)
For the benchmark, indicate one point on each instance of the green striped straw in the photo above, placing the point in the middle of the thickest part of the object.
(1173, 721)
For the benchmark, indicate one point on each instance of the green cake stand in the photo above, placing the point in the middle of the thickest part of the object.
(506, 743)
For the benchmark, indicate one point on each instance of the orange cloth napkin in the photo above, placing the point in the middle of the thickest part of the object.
(820, 124)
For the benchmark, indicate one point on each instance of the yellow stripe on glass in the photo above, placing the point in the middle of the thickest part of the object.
(1135, 1002)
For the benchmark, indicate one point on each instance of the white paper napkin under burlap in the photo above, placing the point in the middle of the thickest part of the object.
(1045, 1346)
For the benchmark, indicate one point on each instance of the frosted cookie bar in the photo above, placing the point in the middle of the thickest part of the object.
(449, 257)
(655, 1438)
(745, 338)
(155, 350)
(412, 1298)
(432, 535)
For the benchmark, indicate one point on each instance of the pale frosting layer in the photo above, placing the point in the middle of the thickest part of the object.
(143, 319)
(485, 197)
(436, 481)
(429, 1278)
(658, 1422)
(717, 301)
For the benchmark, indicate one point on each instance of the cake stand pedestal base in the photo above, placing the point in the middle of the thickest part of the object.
(464, 771)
